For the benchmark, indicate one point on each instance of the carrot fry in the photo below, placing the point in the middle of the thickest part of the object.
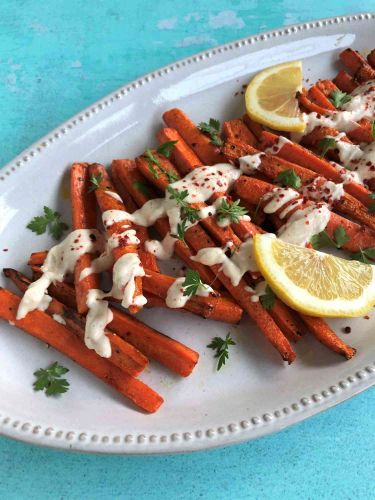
(322, 332)
(254, 127)
(83, 217)
(345, 82)
(320, 98)
(131, 179)
(236, 130)
(107, 202)
(153, 344)
(371, 58)
(148, 259)
(40, 325)
(305, 101)
(124, 355)
(358, 65)
(197, 140)
(296, 153)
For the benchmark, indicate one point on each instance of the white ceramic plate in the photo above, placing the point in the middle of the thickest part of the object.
(255, 393)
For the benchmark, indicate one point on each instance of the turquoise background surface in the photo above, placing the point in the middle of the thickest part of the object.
(57, 57)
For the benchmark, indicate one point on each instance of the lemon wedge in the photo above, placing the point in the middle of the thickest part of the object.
(270, 97)
(313, 282)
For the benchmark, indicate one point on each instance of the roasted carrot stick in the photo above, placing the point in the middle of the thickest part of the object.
(358, 65)
(155, 345)
(141, 191)
(107, 202)
(148, 259)
(371, 58)
(124, 355)
(40, 325)
(234, 130)
(296, 153)
(253, 126)
(322, 332)
(83, 217)
(345, 82)
(309, 105)
(319, 97)
(197, 140)
(271, 166)
(198, 239)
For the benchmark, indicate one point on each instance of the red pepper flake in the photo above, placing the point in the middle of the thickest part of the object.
(366, 317)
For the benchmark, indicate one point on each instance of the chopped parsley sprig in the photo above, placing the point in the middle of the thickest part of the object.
(230, 210)
(187, 212)
(268, 298)
(371, 208)
(180, 231)
(289, 178)
(152, 160)
(142, 187)
(373, 130)
(165, 149)
(95, 181)
(192, 283)
(339, 98)
(49, 380)
(365, 255)
(221, 346)
(322, 239)
(51, 221)
(326, 144)
(212, 128)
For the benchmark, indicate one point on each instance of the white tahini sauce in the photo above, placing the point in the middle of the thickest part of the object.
(304, 223)
(278, 197)
(233, 267)
(259, 290)
(114, 195)
(59, 319)
(175, 297)
(327, 191)
(60, 261)
(275, 149)
(250, 163)
(98, 317)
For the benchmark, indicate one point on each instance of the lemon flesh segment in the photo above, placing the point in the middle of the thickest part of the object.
(270, 97)
(313, 282)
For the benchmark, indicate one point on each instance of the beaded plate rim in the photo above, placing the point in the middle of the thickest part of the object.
(198, 439)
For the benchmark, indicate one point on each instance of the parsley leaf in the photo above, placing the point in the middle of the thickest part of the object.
(50, 381)
(371, 208)
(326, 144)
(373, 130)
(322, 239)
(289, 178)
(221, 346)
(268, 299)
(165, 149)
(230, 210)
(339, 98)
(366, 255)
(95, 182)
(187, 212)
(152, 160)
(192, 283)
(181, 229)
(51, 221)
(142, 187)
(212, 128)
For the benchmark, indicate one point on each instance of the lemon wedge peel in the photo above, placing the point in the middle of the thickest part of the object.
(347, 287)
(270, 97)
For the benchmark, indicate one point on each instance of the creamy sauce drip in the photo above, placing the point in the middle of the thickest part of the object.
(278, 197)
(175, 297)
(59, 319)
(304, 223)
(114, 195)
(275, 148)
(250, 163)
(328, 191)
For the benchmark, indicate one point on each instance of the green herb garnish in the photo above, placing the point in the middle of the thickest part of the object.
(366, 255)
(222, 348)
(268, 298)
(187, 212)
(142, 187)
(373, 130)
(289, 178)
(192, 283)
(181, 229)
(339, 98)
(371, 208)
(212, 128)
(326, 144)
(165, 149)
(49, 380)
(230, 210)
(51, 221)
(152, 160)
(95, 181)
(322, 239)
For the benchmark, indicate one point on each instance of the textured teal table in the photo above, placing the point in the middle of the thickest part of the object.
(56, 58)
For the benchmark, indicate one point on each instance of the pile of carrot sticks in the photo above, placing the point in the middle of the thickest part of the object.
(132, 342)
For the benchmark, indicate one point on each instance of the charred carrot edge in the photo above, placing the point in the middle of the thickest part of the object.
(197, 140)
(322, 332)
(130, 177)
(153, 344)
(296, 153)
(83, 217)
(198, 239)
(215, 307)
(371, 58)
(40, 325)
(106, 202)
(359, 236)
(124, 355)
(148, 259)
(272, 166)
(253, 126)
(357, 64)
(234, 130)
(345, 82)
(318, 97)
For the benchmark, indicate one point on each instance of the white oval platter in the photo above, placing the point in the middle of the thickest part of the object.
(254, 394)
